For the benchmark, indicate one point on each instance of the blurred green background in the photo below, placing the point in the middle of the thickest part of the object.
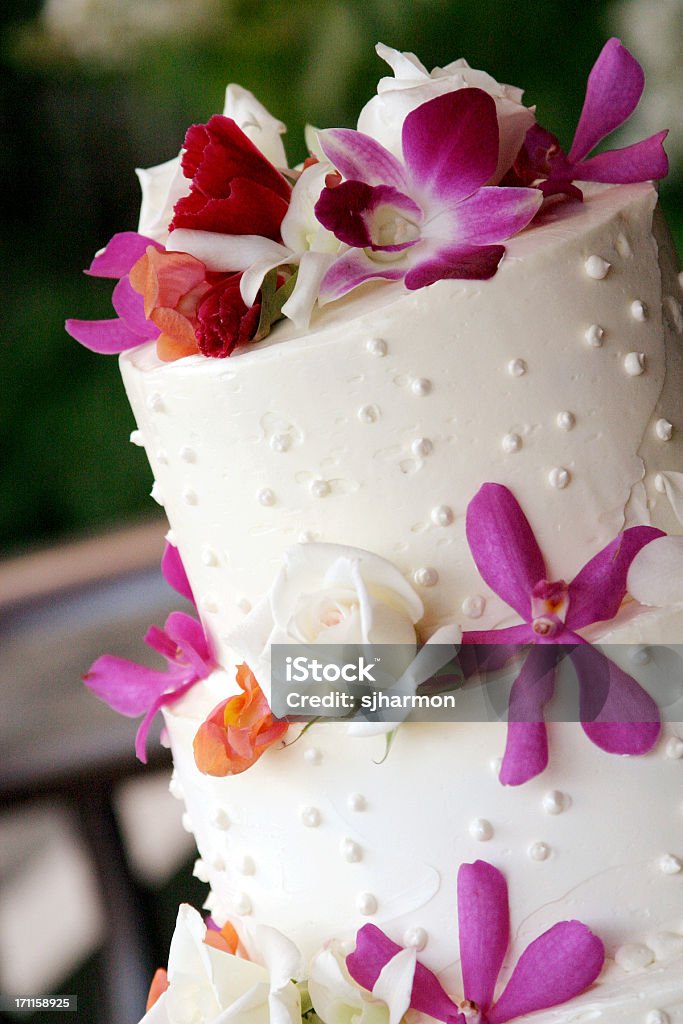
(93, 88)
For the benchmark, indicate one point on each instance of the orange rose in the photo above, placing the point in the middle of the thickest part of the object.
(172, 285)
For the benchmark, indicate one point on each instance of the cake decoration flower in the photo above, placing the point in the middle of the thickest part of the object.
(336, 997)
(131, 327)
(133, 689)
(430, 215)
(207, 981)
(621, 718)
(557, 966)
(238, 731)
(615, 85)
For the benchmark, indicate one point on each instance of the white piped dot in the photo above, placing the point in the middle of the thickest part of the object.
(136, 438)
(220, 819)
(357, 802)
(674, 748)
(633, 956)
(157, 494)
(657, 1017)
(511, 443)
(351, 851)
(421, 447)
(162, 456)
(623, 247)
(244, 605)
(175, 787)
(426, 577)
(200, 871)
(638, 310)
(597, 268)
(187, 454)
(319, 488)
(539, 851)
(367, 903)
(559, 477)
(376, 347)
(421, 386)
(155, 402)
(242, 903)
(217, 862)
(186, 822)
(669, 864)
(660, 484)
(566, 420)
(415, 938)
(639, 655)
(190, 496)
(246, 865)
(209, 556)
(473, 606)
(481, 830)
(368, 414)
(594, 336)
(517, 367)
(310, 817)
(280, 442)
(312, 755)
(306, 537)
(266, 497)
(442, 515)
(634, 363)
(555, 802)
(209, 604)
(664, 430)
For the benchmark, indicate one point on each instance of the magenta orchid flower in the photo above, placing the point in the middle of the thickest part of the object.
(130, 327)
(557, 966)
(133, 689)
(430, 217)
(613, 90)
(617, 714)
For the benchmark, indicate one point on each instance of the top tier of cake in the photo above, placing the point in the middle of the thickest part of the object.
(375, 428)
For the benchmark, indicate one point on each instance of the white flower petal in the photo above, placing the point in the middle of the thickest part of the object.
(404, 65)
(257, 123)
(395, 983)
(656, 573)
(300, 226)
(312, 268)
(226, 252)
(162, 186)
(252, 278)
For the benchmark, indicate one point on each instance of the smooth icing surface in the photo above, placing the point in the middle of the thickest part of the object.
(377, 426)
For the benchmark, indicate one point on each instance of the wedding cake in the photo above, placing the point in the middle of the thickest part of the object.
(423, 389)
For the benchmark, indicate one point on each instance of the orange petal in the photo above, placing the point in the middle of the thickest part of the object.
(157, 988)
(169, 349)
(226, 939)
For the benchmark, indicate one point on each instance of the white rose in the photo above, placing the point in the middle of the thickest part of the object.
(329, 593)
(207, 984)
(257, 123)
(412, 85)
(337, 997)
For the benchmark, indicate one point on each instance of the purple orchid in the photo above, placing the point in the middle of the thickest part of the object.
(618, 715)
(130, 327)
(557, 966)
(613, 90)
(430, 217)
(133, 689)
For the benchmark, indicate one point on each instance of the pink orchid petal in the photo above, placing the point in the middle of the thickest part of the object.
(125, 686)
(174, 573)
(352, 269)
(484, 926)
(130, 307)
(189, 635)
(555, 967)
(161, 642)
(120, 254)
(373, 952)
(526, 748)
(618, 715)
(503, 546)
(596, 593)
(614, 88)
(107, 337)
(159, 703)
(347, 210)
(494, 214)
(476, 263)
(359, 158)
(450, 143)
(488, 650)
(642, 161)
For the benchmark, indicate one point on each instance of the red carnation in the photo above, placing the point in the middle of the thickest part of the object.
(223, 320)
(235, 190)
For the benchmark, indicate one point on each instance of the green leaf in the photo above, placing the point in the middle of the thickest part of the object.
(272, 301)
